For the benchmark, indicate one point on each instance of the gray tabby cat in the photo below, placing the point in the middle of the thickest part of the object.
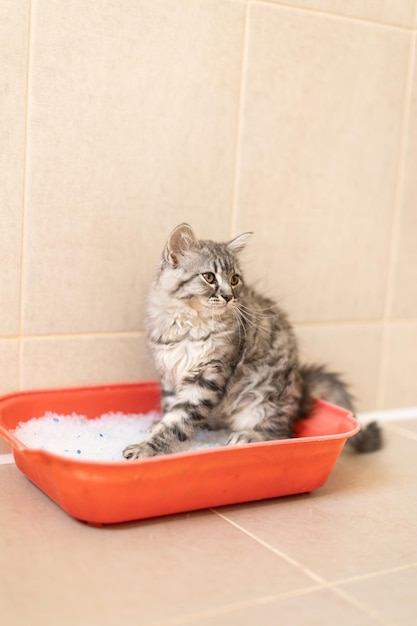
(227, 356)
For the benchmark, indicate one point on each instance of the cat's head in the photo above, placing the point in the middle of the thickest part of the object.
(202, 274)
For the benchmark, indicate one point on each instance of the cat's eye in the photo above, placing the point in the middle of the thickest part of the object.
(209, 277)
(235, 280)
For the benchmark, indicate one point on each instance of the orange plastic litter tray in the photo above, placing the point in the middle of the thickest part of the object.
(110, 492)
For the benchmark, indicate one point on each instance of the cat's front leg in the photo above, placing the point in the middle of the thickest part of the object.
(164, 439)
(179, 424)
(192, 406)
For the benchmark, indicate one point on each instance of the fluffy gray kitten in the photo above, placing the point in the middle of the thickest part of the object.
(226, 356)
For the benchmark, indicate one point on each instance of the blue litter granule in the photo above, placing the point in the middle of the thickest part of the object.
(56, 419)
(101, 435)
(78, 451)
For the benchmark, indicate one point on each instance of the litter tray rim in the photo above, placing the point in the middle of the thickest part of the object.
(16, 444)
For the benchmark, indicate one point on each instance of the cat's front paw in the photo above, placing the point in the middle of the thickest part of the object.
(139, 451)
(243, 436)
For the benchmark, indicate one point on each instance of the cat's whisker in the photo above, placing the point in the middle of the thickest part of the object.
(252, 322)
(257, 313)
(258, 329)
(255, 322)
(267, 308)
(241, 326)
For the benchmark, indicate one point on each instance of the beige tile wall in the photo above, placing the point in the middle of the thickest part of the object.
(297, 120)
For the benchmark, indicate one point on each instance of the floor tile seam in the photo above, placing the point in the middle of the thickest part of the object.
(371, 575)
(331, 586)
(334, 585)
(336, 16)
(364, 608)
(236, 606)
(286, 557)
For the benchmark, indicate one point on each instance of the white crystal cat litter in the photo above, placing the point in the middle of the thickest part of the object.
(101, 439)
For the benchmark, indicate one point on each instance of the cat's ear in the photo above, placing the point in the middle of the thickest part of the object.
(181, 242)
(238, 243)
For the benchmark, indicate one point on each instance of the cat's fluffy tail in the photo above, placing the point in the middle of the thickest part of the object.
(320, 383)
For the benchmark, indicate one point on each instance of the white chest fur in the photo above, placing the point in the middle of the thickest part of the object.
(183, 342)
(178, 360)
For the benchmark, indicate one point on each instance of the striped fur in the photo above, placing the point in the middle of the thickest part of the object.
(226, 356)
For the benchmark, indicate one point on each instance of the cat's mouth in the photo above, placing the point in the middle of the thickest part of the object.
(216, 304)
(219, 306)
(212, 306)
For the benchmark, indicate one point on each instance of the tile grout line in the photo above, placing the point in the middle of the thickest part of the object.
(362, 607)
(86, 335)
(322, 584)
(25, 192)
(336, 16)
(371, 323)
(235, 606)
(376, 574)
(297, 325)
(317, 579)
(395, 220)
(239, 129)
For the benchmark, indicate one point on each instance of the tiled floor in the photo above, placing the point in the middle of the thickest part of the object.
(345, 555)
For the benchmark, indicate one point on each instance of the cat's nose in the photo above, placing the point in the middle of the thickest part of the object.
(226, 297)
